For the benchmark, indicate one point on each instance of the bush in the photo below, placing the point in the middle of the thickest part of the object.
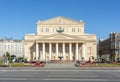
(20, 59)
(4, 66)
(104, 60)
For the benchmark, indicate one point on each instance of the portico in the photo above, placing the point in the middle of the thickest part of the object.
(71, 53)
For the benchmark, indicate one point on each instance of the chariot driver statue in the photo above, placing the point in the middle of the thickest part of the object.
(60, 30)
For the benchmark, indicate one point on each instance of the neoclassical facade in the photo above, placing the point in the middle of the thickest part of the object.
(57, 38)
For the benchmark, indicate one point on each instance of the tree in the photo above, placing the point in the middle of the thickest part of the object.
(7, 55)
(13, 57)
(20, 59)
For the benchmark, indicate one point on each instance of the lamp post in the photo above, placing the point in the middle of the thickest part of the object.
(119, 51)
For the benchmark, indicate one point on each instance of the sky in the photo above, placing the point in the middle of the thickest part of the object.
(19, 17)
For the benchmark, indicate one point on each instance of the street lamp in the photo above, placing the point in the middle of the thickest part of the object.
(119, 51)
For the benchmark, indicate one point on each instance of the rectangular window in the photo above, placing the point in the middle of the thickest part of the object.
(5, 46)
(53, 29)
(47, 29)
(41, 29)
(11, 46)
(79, 30)
(73, 29)
(8, 46)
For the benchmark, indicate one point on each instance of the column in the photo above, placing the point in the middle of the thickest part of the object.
(70, 51)
(63, 51)
(83, 51)
(56, 51)
(37, 51)
(76, 56)
(43, 45)
(50, 51)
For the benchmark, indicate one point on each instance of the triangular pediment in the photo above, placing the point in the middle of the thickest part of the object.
(59, 20)
(60, 36)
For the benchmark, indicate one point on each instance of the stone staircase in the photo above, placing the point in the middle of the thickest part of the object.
(60, 65)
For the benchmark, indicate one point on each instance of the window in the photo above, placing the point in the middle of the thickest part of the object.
(11, 46)
(47, 29)
(73, 29)
(5, 46)
(53, 29)
(79, 30)
(41, 29)
(8, 46)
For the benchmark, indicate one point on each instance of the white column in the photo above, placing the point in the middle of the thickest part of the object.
(37, 51)
(70, 51)
(56, 51)
(50, 51)
(43, 45)
(83, 51)
(63, 51)
(76, 56)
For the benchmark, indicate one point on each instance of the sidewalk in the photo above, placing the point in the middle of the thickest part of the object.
(44, 68)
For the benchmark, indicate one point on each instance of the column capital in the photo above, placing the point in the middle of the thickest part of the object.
(70, 42)
(77, 43)
(36, 42)
(84, 43)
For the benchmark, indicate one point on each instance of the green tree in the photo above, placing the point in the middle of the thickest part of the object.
(7, 55)
(104, 59)
(20, 59)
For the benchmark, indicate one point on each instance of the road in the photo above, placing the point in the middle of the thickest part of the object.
(60, 76)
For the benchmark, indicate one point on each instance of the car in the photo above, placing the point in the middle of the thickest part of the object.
(40, 64)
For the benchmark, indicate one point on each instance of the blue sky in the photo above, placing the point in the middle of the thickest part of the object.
(19, 17)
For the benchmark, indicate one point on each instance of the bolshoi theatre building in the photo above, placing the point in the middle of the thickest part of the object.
(57, 38)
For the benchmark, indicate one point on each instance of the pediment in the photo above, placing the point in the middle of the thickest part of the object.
(61, 36)
(59, 20)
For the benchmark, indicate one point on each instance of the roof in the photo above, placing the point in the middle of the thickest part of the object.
(60, 20)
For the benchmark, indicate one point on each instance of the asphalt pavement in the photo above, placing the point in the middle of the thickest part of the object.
(33, 75)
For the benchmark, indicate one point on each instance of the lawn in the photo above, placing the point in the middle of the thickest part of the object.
(109, 64)
(0, 62)
(20, 65)
(16, 65)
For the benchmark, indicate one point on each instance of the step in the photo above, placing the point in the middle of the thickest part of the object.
(59, 65)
